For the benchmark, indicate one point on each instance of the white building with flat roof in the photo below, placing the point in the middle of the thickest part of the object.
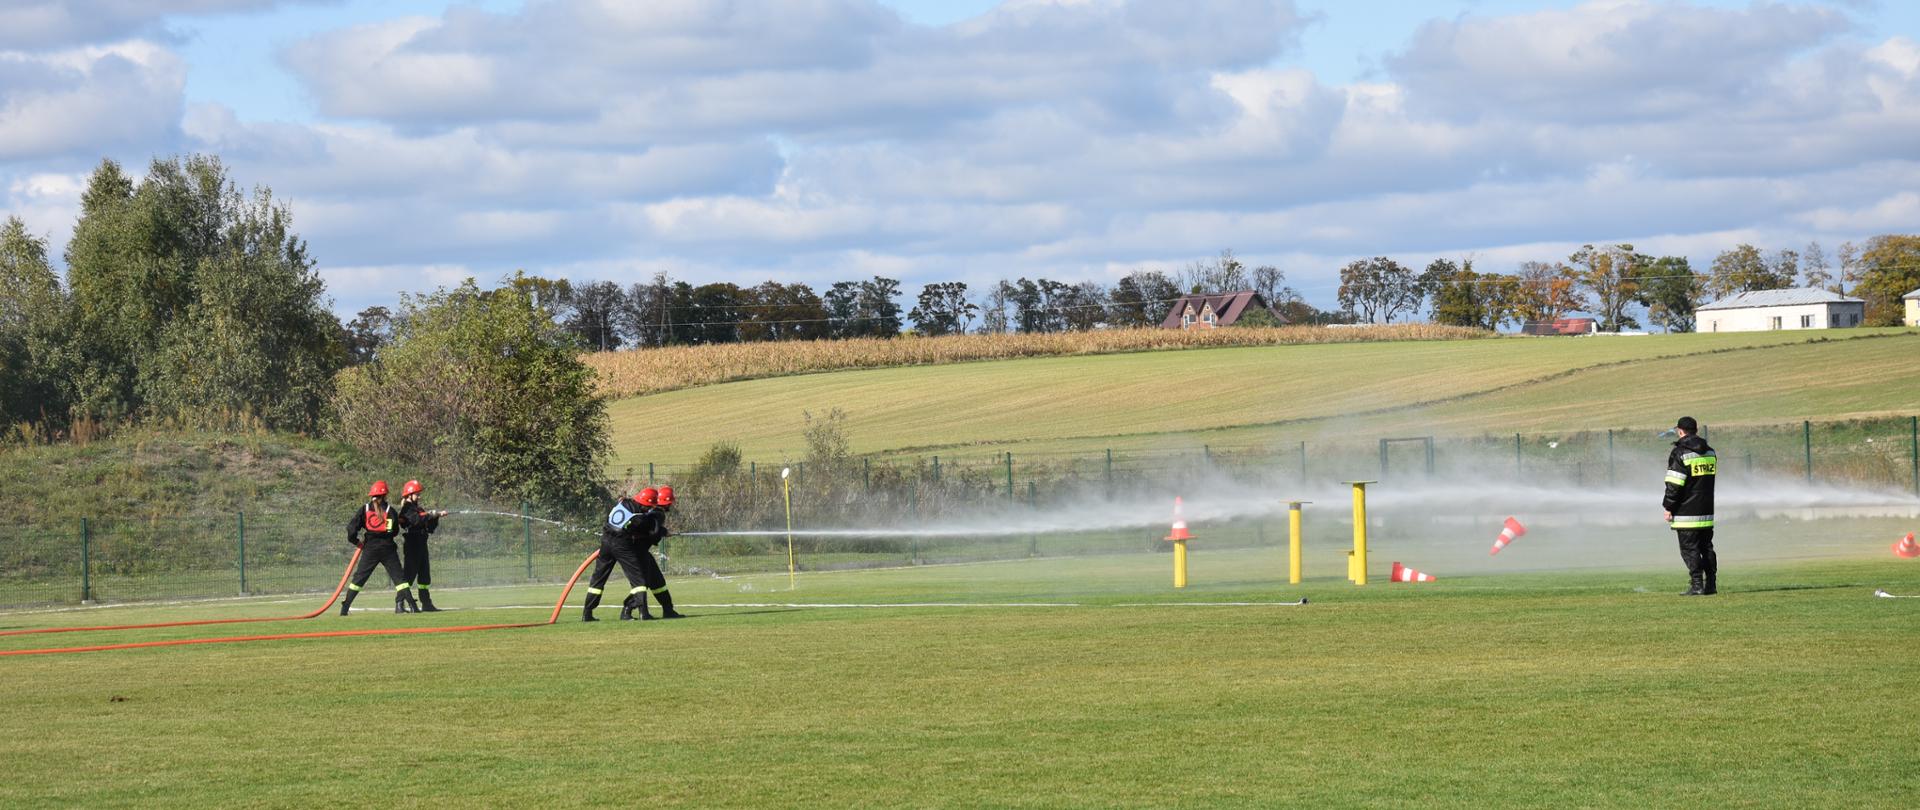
(1913, 308)
(1763, 310)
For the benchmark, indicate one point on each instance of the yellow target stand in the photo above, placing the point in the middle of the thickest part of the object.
(1293, 541)
(1357, 558)
(1179, 537)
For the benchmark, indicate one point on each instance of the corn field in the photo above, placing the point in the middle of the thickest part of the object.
(651, 371)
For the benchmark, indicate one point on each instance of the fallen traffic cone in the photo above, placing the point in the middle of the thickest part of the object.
(1402, 573)
(1179, 523)
(1906, 547)
(1512, 532)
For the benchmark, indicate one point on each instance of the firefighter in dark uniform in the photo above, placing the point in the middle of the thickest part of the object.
(1691, 468)
(622, 541)
(380, 522)
(416, 523)
(654, 531)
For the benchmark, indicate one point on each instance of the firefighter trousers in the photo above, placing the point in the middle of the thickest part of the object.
(378, 552)
(1696, 550)
(643, 572)
(417, 568)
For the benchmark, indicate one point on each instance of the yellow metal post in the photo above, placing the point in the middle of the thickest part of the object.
(786, 494)
(1293, 541)
(1179, 563)
(1357, 568)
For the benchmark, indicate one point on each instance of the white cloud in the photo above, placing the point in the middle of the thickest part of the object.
(37, 24)
(607, 72)
(88, 100)
(1607, 60)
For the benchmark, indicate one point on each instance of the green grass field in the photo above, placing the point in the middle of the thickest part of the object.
(1794, 688)
(1254, 395)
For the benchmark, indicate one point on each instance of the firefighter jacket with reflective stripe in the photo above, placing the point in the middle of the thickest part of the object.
(625, 522)
(653, 527)
(417, 523)
(371, 515)
(1690, 473)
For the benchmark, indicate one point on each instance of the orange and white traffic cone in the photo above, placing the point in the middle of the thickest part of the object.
(1906, 547)
(1513, 531)
(1402, 573)
(1179, 523)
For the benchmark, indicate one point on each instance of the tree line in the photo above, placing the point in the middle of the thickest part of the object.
(1610, 280)
(664, 311)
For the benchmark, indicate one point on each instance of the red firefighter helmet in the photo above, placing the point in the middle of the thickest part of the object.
(411, 488)
(378, 489)
(646, 497)
(666, 496)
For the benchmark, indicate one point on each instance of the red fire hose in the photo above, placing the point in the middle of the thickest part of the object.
(316, 611)
(391, 631)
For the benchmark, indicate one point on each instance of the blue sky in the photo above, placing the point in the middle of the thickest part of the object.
(420, 142)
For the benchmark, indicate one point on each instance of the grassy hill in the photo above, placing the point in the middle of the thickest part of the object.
(145, 473)
(1255, 395)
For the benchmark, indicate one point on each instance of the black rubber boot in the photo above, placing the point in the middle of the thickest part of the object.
(666, 606)
(1712, 587)
(347, 603)
(586, 611)
(626, 610)
(1712, 570)
(1697, 587)
(426, 602)
(399, 602)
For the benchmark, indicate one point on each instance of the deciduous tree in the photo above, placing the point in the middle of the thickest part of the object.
(943, 309)
(1743, 268)
(481, 387)
(1379, 289)
(1671, 292)
(1889, 269)
(1142, 298)
(197, 302)
(1611, 274)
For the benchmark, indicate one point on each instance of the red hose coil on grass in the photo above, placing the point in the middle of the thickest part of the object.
(558, 606)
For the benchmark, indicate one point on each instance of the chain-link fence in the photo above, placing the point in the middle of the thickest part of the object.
(104, 557)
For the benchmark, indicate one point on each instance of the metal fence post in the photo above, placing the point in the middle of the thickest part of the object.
(1609, 456)
(649, 473)
(1011, 496)
(866, 473)
(936, 469)
(1303, 462)
(1206, 454)
(1033, 502)
(86, 562)
(527, 527)
(1518, 468)
(1913, 450)
(1109, 472)
(1806, 441)
(242, 520)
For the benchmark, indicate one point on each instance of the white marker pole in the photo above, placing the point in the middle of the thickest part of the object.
(786, 494)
